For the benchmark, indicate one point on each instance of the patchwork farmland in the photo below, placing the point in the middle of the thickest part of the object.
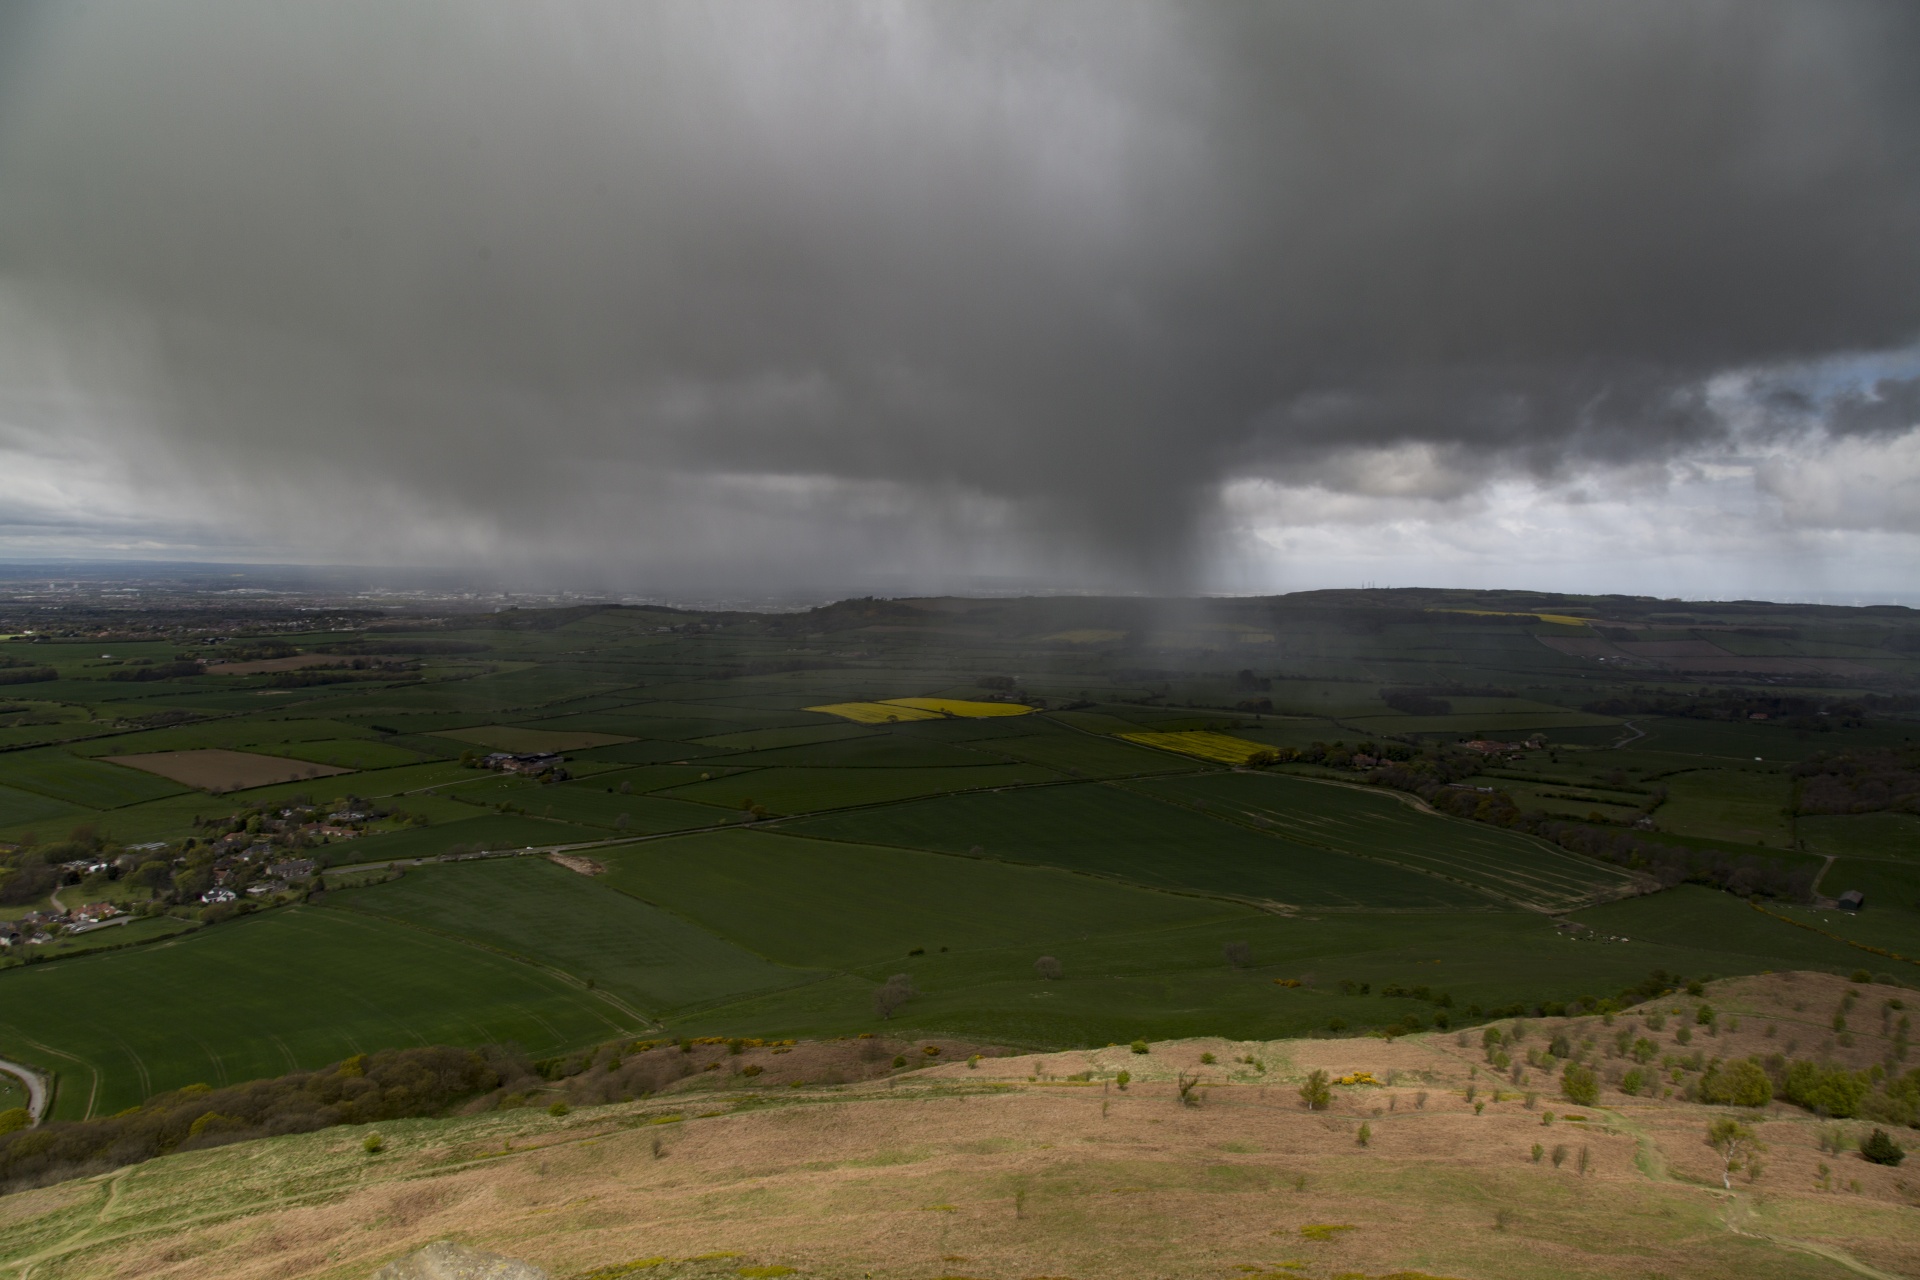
(1376, 797)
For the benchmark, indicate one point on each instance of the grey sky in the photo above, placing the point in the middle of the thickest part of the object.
(1096, 293)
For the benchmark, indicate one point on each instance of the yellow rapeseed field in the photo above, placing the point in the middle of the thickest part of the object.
(1564, 619)
(1221, 747)
(894, 709)
(959, 707)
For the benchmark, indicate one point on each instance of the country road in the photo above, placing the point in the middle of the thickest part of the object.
(36, 1088)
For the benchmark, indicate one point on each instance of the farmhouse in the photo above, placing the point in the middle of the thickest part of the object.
(529, 762)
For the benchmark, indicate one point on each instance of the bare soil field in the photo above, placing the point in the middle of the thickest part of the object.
(213, 769)
(1017, 1167)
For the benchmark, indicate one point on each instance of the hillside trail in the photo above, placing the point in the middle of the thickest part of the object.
(1652, 1162)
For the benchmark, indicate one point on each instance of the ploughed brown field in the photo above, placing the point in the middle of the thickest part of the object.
(824, 1160)
(212, 769)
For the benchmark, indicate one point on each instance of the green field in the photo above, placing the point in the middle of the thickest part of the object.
(1112, 831)
(1867, 835)
(801, 790)
(1744, 806)
(1524, 871)
(531, 909)
(94, 784)
(827, 903)
(270, 994)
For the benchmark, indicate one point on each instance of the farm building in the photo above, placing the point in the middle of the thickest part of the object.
(1851, 900)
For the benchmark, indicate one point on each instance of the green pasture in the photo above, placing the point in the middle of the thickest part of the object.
(1740, 805)
(1384, 826)
(1110, 830)
(799, 736)
(491, 830)
(275, 992)
(537, 911)
(348, 753)
(800, 790)
(1082, 754)
(824, 903)
(1863, 835)
(233, 733)
(873, 749)
(591, 806)
(1890, 888)
(1170, 982)
(1718, 933)
(655, 777)
(1724, 740)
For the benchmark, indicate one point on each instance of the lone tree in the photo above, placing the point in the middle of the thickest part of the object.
(1316, 1092)
(1239, 955)
(893, 993)
(1736, 1144)
(1882, 1149)
(1048, 968)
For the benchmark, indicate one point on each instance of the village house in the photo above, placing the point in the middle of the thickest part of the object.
(293, 869)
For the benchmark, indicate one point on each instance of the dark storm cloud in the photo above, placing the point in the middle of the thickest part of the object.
(590, 278)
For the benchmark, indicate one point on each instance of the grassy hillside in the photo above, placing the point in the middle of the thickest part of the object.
(1047, 1164)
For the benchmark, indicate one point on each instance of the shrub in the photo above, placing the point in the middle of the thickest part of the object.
(1825, 1090)
(1048, 968)
(1579, 1085)
(893, 993)
(1123, 1080)
(374, 1144)
(1740, 1084)
(1881, 1149)
(1140, 1046)
(1538, 1151)
(1633, 1082)
(899, 1061)
(1365, 1135)
(558, 1109)
(1559, 1156)
(1317, 1093)
(1207, 1058)
(14, 1118)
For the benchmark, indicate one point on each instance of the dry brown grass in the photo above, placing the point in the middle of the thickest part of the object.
(212, 769)
(1011, 1169)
